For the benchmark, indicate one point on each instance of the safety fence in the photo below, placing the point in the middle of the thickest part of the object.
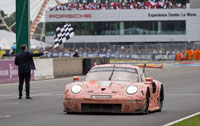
(115, 55)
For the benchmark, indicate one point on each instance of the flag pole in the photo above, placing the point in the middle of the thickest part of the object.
(54, 48)
(51, 49)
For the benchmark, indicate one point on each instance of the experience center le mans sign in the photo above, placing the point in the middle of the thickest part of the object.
(149, 15)
(188, 14)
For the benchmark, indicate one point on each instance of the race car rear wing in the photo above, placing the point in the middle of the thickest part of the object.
(150, 66)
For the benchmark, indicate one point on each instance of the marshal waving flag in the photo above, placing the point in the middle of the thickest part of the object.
(63, 34)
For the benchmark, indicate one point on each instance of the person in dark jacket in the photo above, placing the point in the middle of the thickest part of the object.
(25, 63)
(76, 54)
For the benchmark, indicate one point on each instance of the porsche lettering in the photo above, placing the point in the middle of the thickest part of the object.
(70, 16)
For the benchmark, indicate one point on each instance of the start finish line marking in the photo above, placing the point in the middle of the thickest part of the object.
(36, 94)
(171, 123)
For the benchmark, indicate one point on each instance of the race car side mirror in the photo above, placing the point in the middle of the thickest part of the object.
(149, 80)
(76, 78)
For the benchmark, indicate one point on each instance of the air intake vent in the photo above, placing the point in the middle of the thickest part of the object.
(101, 107)
(103, 89)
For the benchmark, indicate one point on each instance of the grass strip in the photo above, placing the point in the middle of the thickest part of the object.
(193, 121)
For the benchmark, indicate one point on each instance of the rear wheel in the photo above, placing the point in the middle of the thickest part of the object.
(146, 111)
(161, 98)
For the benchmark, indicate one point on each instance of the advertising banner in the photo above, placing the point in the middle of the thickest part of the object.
(164, 57)
(9, 71)
(116, 55)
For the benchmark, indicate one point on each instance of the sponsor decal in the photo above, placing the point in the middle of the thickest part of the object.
(105, 83)
(100, 96)
(121, 83)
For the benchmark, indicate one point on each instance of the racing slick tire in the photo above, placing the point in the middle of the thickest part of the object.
(146, 111)
(69, 112)
(161, 98)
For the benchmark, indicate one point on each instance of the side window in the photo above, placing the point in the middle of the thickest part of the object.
(142, 76)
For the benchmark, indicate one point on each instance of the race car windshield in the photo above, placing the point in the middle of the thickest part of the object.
(119, 74)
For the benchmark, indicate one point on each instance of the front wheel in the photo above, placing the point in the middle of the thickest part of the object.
(161, 98)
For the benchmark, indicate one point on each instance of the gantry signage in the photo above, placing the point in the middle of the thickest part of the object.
(187, 14)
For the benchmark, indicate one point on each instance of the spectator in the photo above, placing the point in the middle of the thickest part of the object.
(130, 4)
(13, 49)
(76, 54)
(2, 53)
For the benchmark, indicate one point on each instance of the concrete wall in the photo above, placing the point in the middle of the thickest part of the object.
(67, 66)
(44, 69)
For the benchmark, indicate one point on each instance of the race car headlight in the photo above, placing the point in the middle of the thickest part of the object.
(131, 89)
(76, 89)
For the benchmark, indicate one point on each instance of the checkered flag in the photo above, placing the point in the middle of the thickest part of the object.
(63, 34)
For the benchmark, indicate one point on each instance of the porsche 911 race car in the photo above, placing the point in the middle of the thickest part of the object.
(114, 88)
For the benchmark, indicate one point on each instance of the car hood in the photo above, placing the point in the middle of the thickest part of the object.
(106, 87)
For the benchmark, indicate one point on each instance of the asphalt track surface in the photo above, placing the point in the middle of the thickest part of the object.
(182, 98)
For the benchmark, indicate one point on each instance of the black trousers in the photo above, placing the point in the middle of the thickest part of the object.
(24, 76)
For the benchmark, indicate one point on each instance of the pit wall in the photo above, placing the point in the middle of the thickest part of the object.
(49, 68)
(67, 67)
(44, 69)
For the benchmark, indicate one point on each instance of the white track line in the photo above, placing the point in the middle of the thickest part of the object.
(7, 116)
(171, 123)
(37, 81)
(9, 103)
(48, 94)
(37, 94)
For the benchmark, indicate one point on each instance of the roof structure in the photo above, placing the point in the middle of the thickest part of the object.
(8, 38)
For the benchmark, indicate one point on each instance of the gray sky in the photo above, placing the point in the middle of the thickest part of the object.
(8, 6)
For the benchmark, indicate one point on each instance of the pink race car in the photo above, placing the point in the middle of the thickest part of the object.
(114, 88)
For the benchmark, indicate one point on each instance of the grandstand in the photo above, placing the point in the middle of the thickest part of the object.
(136, 26)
